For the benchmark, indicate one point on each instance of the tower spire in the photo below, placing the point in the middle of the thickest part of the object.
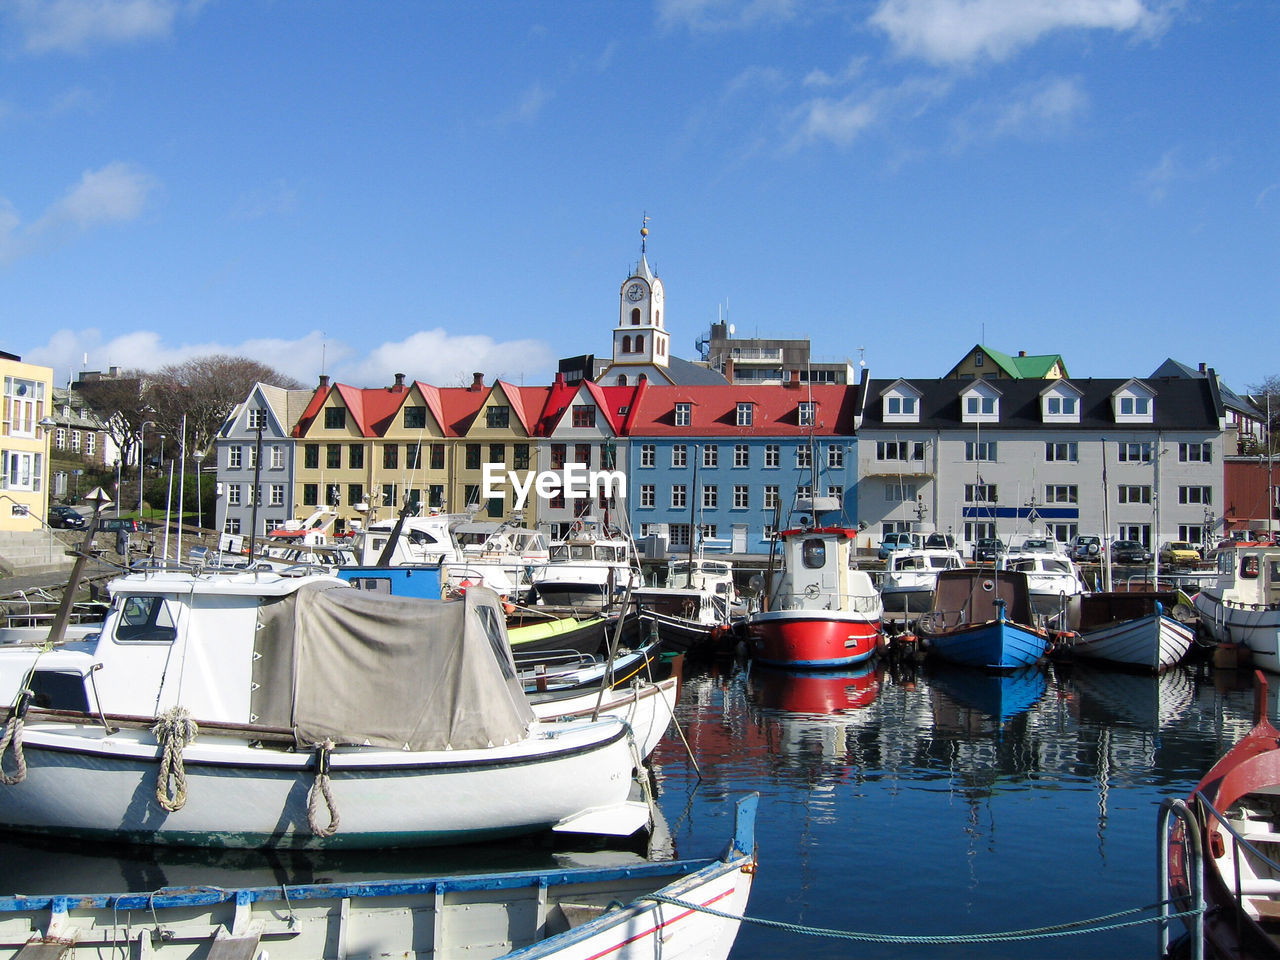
(644, 231)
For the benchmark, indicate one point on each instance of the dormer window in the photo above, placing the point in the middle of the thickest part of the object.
(900, 403)
(1134, 406)
(977, 405)
(746, 414)
(1060, 406)
(900, 406)
(684, 412)
(980, 403)
(1134, 402)
(806, 413)
(584, 416)
(1060, 403)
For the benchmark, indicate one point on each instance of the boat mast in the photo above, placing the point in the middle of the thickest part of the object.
(1106, 523)
(694, 496)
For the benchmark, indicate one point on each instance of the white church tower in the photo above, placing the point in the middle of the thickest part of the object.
(640, 341)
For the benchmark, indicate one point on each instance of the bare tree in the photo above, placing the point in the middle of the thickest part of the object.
(205, 389)
(1266, 397)
(123, 403)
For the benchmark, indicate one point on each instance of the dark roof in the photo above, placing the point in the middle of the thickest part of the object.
(1230, 399)
(1180, 404)
(688, 374)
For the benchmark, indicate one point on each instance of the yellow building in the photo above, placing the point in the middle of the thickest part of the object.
(24, 444)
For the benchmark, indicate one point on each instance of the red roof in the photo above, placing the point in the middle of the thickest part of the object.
(714, 410)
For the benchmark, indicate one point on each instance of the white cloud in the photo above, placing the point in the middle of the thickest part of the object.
(72, 26)
(1036, 111)
(842, 121)
(276, 199)
(433, 356)
(853, 69)
(1173, 169)
(723, 14)
(960, 31)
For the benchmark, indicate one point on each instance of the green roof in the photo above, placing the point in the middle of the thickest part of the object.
(1025, 368)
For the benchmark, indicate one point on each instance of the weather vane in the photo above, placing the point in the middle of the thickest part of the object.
(644, 231)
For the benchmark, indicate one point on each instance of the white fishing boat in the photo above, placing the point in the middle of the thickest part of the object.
(254, 709)
(696, 607)
(1243, 605)
(591, 568)
(631, 910)
(1053, 579)
(1131, 629)
(647, 707)
(911, 576)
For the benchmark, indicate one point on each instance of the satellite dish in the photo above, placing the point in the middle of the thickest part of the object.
(731, 330)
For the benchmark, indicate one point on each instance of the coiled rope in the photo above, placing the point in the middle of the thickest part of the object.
(13, 736)
(320, 789)
(1101, 924)
(173, 731)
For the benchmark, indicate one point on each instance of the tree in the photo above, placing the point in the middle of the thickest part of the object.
(123, 404)
(205, 389)
(1266, 397)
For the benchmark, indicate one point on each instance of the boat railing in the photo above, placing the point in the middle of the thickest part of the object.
(1193, 871)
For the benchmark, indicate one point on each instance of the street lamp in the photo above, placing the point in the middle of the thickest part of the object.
(48, 423)
(197, 457)
(142, 446)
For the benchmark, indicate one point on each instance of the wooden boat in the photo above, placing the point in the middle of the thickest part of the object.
(406, 716)
(1243, 605)
(821, 612)
(697, 607)
(1130, 629)
(573, 913)
(982, 618)
(1237, 815)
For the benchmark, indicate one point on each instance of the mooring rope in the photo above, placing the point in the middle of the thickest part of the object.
(13, 736)
(173, 731)
(320, 789)
(1100, 924)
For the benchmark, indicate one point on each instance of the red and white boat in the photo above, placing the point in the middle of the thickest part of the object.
(820, 611)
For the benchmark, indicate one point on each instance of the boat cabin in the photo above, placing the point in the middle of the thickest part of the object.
(819, 572)
(1250, 574)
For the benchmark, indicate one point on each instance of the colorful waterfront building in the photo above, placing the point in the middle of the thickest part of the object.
(25, 433)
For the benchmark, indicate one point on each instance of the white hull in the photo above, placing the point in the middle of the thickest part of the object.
(647, 709)
(1155, 643)
(83, 783)
(1255, 626)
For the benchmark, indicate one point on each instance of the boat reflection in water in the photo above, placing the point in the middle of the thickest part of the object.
(816, 691)
(1122, 698)
(965, 696)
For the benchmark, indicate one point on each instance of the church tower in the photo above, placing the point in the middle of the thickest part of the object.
(640, 340)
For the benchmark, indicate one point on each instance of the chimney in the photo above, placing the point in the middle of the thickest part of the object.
(477, 382)
(114, 372)
(1022, 353)
(399, 387)
(559, 381)
(324, 380)
(1202, 368)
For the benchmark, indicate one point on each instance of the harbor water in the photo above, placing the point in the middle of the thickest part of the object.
(913, 802)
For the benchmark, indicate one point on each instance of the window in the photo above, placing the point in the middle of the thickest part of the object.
(813, 554)
(900, 406)
(900, 492)
(473, 458)
(389, 495)
(977, 359)
(683, 414)
(804, 458)
(769, 532)
(21, 471)
(355, 456)
(741, 455)
(745, 414)
(310, 494)
(836, 493)
(1202, 495)
(1136, 531)
(415, 418)
(711, 455)
(980, 450)
(678, 496)
(648, 496)
(1195, 452)
(899, 450)
(413, 456)
(60, 438)
(253, 457)
(980, 493)
(391, 456)
(498, 453)
(1133, 493)
(335, 418)
(277, 458)
(311, 456)
(557, 456)
(145, 619)
(75, 441)
(498, 417)
(679, 455)
(90, 441)
(584, 416)
(710, 497)
(1061, 493)
(806, 413)
(437, 455)
(648, 453)
(277, 494)
(1060, 406)
(333, 456)
(1062, 532)
(1135, 453)
(741, 496)
(835, 456)
(1193, 533)
(771, 496)
(234, 457)
(24, 398)
(233, 494)
(1062, 452)
(582, 453)
(519, 456)
(435, 495)
(975, 405)
(679, 534)
(1135, 406)
(257, 419)
(772, 455)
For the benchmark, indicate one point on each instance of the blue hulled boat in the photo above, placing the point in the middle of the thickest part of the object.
(982, 618)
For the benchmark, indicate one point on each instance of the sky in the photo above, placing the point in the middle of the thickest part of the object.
(427, 188)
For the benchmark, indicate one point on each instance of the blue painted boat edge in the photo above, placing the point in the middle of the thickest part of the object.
(817, 664)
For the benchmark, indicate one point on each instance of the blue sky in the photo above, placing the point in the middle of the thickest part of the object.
(434, 188)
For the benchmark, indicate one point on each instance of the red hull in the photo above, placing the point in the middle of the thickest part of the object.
(812, 641)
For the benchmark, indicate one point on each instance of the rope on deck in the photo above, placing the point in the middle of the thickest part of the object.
(1100, 924)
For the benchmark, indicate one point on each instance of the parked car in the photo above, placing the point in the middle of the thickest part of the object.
(892, 542)
(939, 541)
(1085, 547)
(987, 550)
(67, 518)
(1129, 551)
(1179, 553)
(112, 524)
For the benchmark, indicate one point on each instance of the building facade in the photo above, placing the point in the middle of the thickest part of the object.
(24, 443)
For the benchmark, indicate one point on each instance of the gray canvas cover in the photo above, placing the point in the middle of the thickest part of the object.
(335, 663)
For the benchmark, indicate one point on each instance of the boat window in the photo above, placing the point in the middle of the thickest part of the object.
(814, 554)
(145, 619)
(560, 551)
(580, 551)
(1249, 567)
(1057, 566)
(605, 553)
(497, 639)
(1273, 572)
